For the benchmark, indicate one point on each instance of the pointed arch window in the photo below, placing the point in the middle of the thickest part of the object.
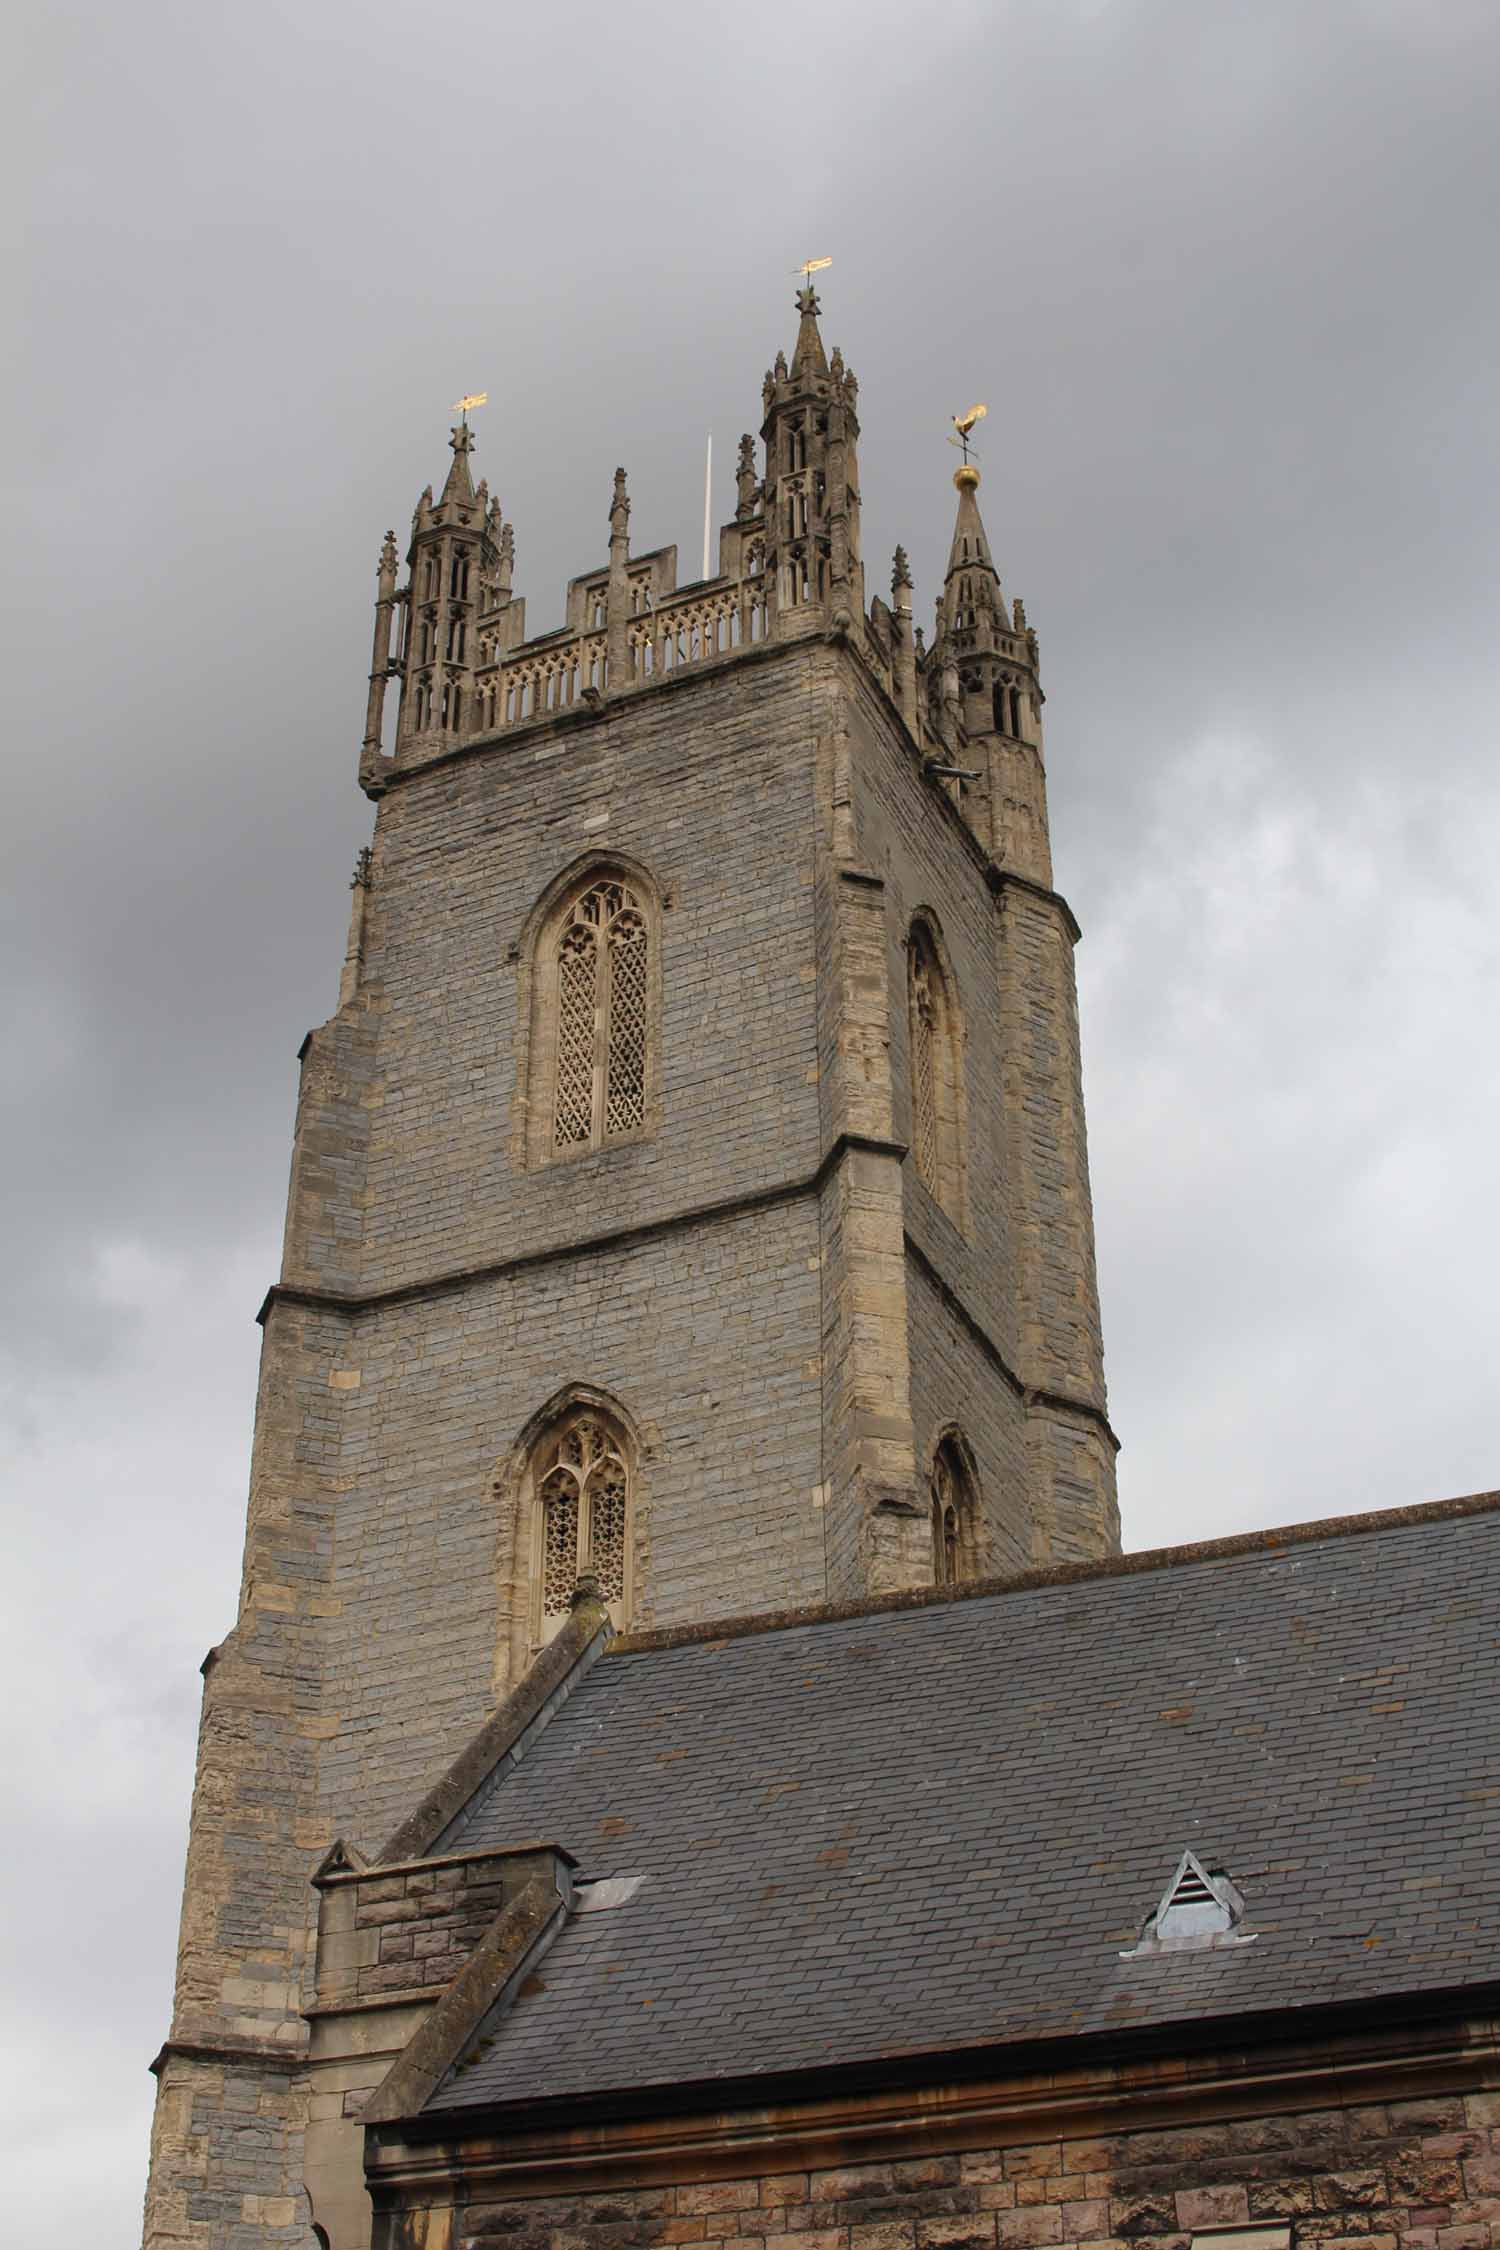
(583, 1480)
(602, 956)
(955, 1516)
(936, 1072)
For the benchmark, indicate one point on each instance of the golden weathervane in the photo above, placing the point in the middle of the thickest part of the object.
(963, 424)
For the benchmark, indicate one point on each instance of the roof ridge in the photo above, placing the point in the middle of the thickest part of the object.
(1141, 1561)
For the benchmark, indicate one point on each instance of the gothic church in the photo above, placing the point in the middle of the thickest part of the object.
(692, 1764)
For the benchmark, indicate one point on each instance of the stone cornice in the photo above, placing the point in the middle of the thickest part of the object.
(1394, 2047)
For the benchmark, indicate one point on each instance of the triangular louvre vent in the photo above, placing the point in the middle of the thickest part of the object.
(1196, 1909)
(1191, 1888)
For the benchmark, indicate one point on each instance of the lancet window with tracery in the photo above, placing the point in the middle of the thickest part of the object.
(955, 1539)
(603, 959)
(936, 1068)
(583, 1506)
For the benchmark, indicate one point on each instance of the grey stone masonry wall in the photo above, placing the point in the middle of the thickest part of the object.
(1017, 1274)
(707, 787)
(709, 1336)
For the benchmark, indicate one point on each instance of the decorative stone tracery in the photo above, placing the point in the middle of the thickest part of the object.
(955, 1515)
(582, 1476)
(602, 1000)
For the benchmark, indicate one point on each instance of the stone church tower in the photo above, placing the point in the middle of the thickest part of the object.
(690, 1190)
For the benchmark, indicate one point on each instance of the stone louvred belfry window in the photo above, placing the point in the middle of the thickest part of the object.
(583, 1518)
(602, 986)
(936, 1074)
(955, 1513)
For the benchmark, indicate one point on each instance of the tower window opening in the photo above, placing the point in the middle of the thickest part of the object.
(458, 579)
(1015, 711)
(583, 1487)
(936, 1067)
(955, 1516)
(602, 1001)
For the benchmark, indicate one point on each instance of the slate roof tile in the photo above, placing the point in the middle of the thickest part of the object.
(921, 1828)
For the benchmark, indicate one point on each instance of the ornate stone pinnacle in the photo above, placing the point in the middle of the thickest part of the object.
(900, 569)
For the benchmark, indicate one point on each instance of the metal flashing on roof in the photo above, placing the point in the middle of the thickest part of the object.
(597, 1894)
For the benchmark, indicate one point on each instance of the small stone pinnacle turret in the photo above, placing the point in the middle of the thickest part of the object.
(983, 696)
(459, 566)
(904, 653)
(811, 488)
(617, 596)
(747, 484)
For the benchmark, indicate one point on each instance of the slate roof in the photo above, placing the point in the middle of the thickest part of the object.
(919, 1829)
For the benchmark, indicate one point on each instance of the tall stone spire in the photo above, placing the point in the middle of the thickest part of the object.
(808, 356)
(459, 489)
(973, 603)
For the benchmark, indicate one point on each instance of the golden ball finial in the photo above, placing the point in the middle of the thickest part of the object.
(966, 478)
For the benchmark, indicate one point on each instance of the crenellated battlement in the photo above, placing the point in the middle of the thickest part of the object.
(789, 568)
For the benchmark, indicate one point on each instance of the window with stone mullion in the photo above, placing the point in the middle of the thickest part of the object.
(602, 999)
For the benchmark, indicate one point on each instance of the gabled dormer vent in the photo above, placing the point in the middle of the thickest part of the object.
(1199, 1907)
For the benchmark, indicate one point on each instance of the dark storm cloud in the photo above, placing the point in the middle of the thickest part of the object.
(1225, 275)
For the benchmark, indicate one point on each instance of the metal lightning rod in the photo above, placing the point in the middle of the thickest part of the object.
(708, 488)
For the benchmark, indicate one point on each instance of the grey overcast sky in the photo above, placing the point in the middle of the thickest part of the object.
(1226, 272)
